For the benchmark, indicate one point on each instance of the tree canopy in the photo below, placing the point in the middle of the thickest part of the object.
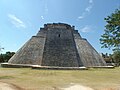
(111, 37)
(5, 57)
(116, 57)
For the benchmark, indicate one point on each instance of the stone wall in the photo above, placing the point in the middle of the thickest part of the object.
(31, 52)
(89, 56)
(60, 48)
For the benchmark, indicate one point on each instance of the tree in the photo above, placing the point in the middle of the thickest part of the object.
(1, 58)
(5, 57)
(116, 57)
(111, 37)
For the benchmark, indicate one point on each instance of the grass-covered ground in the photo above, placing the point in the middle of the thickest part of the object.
(30, 79)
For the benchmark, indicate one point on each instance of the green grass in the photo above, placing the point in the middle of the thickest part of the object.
(53, 79)
(6, 77)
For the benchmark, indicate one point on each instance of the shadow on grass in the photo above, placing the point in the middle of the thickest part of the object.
(6, 77)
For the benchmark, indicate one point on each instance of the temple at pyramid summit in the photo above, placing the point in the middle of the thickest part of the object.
(59, 45)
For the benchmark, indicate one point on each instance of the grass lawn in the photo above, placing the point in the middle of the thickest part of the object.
(30, 79)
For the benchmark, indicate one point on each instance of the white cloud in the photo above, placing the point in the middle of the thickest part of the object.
(87, 10)
(81, 17)
(42, 17)
(46, 8)
(16, 21)
(86, 29)
(90, 1)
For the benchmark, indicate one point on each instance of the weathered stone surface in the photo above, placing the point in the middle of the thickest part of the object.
(30, 53)
(89, 56)
(58, 45)
(60, 48)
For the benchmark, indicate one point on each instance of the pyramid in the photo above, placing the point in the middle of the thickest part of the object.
(58, 44)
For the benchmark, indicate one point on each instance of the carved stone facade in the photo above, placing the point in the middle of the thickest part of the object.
(59, 45)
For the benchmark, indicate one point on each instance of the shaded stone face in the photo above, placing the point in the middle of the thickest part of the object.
(60, 49)
(59, 45)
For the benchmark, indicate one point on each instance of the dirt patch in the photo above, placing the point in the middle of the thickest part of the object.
(110, 89)
(6, 86)
(77, 87)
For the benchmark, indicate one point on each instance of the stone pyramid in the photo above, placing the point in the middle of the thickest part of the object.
(60, 45)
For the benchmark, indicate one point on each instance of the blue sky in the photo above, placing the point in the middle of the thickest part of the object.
(21, 19)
